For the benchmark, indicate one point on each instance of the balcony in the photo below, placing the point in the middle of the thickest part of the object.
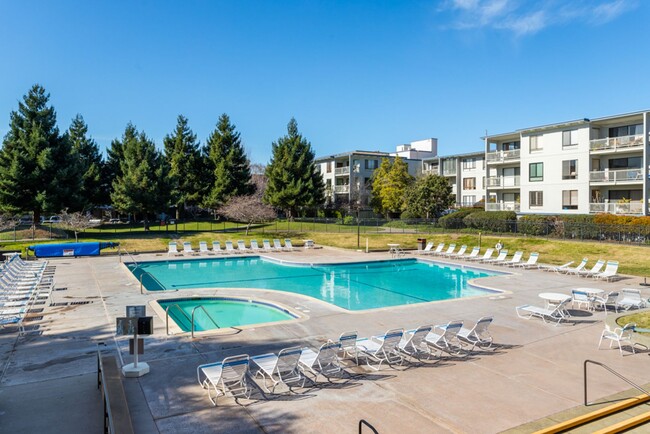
(502, 156)
(503, 181)
(627, 208)
(342, 170)
(431, 171)
(616, 143)
(624, 176)
(341, 189)
(502, 206)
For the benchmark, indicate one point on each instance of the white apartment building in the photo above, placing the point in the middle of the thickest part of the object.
(577, 167)
(465, 173)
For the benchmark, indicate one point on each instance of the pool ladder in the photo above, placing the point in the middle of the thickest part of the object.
(200, 306)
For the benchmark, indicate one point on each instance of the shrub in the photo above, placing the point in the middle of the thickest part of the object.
(493, 221)
(535, 224)
(455, 219)
(349, 220)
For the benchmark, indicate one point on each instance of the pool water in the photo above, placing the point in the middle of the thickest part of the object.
(221, 312)
(352, 286)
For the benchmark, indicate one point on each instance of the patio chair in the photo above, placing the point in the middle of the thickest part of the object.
(477, 335)
(203, 248)
(266, 246)
(172, 249)
(610, 272)
(324, 362)
(554, 313)
(282, 368)
(578, 269)
(594, 270)
(608, 300)
(487, 255)
(255, 248)
(437, 250)
(348, 345)
(277, 246)
(187, 248)
(449, 250)
(459, 253)
(226, 376)
(555, 268)
(216, 248)
(229, 247)
(630, 298)
(414, 344)
(530, 263)
(500, 258)
(447, 339)
(473, 254)
(581, 298)
(427, 248)
(515, 260)
(288, 246)
(620, 335)
(241, 247)
(382, 348)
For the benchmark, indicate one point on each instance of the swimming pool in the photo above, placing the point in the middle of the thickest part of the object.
(221, 312)
(352, 286)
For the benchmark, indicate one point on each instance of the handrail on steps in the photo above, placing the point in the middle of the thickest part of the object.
(206, 312)
(167, 315)
(187, 316)
(119, 254)
(142, 274)
(631, 383)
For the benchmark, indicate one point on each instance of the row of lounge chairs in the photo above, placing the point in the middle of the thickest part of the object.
(22, 284)
(231, 248)
(610, 272)
(295, 365)
(487, 258)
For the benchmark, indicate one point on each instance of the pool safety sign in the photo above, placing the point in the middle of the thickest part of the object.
(68, 252)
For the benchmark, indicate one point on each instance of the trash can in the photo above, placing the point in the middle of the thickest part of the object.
(421, 243)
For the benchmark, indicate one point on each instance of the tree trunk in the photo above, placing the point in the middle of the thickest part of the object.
(248, 226)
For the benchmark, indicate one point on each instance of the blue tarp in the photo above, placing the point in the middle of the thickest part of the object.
(70, 249)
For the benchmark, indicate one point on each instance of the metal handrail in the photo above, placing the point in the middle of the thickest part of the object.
(206, 312)
(631, 383)
(119, 253)
(363, 422)
(152, 276)
(167, 316)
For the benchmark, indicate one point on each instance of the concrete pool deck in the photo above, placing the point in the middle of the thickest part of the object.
(537, 371)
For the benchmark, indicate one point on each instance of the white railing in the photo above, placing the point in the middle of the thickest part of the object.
(341, 189)
(503, 181)
(342, 170)
(500, 156)
(631, 208)
(617, 176)
(614, 143)
(431, 171)
(502, 206)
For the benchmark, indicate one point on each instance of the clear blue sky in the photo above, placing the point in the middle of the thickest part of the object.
(355, 74)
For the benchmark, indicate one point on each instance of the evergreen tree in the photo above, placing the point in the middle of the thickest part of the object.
(114, 156)
(227, 164)
(292, 180)
(140, 188)
(183, 160)
(429, 197)
(90, 163)
(38, 172)
(389, 186)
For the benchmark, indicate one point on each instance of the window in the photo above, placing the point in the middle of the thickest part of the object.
(616, 195)
(468, 200)
(628, 130)
(626, 163)
(469, 163)
(570, 169)
(569, 138)
(536, 172)
(536, 143)
(371, 164)
(536, 198)
(469, 184)
(329, 167)
(569, 199)
(511, 146)
(328, 182)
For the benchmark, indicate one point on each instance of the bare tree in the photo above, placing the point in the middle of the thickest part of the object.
(77, 222)
(249, 209)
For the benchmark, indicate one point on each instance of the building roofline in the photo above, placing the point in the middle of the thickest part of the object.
(467, 154)
(347, 154)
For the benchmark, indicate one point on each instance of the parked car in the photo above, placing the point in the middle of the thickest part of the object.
(53, 219)
(114, 221)
(26, 220)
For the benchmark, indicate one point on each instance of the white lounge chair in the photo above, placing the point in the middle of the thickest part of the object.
(630, 298)
(459, 253)
(226, 376)
(554, 313)
(449, 250)
(477, 335)
(348, 345)
(280, 369)
(530, 263)
(437, 250)
(486, 256)
(203, 248)
(608, 300)
(267, 246)
(515, 260)
(555, 268)
(500, 258)
(187, 248)
(172, 249)
(580, 298)
(427, 248)
(414, 344)
(610, 272)
(473, 254)
(445, 338)
(255, 248)
(216, 248)
(594, 270)
(620, 335)
(579, 268)
(324, 362)
(277, 246)
(229, 247)
(288, 246)
(382, 348)
(241, 247)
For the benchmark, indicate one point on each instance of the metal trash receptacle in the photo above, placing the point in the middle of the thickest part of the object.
(422, 242)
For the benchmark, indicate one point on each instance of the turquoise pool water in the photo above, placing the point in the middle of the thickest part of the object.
(222, 312)
(354, 286)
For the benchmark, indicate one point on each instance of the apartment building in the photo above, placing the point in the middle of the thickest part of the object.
(576, 167)
(465, 173)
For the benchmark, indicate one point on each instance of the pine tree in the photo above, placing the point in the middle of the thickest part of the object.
(140, 187)
(227, 164)
(90, 163)
(114, 156)
(38, 172)
(293, 182)
(183, 160)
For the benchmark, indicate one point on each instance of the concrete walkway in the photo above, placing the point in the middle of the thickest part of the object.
(536, 371)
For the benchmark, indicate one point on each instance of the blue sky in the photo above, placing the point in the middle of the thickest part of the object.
(355, 74)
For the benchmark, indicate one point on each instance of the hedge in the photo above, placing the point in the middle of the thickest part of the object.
(536, 224)
(455, 219)
(493, 221)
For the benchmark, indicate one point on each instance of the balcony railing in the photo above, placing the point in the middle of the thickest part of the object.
(341, 189)
(617, 176)
(342, 170)
(502, 156)
(503, 181)
(502, 206)
(449, 172)
(431, 171)
(629, 208)
(615, 143)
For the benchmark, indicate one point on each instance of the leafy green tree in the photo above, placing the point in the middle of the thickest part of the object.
(183, 159)
(38, 172)
(114, 156)
(428, 197)
(389, 186)
(90, 162)
(292, 180)
(141, 187)
(227, 164)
